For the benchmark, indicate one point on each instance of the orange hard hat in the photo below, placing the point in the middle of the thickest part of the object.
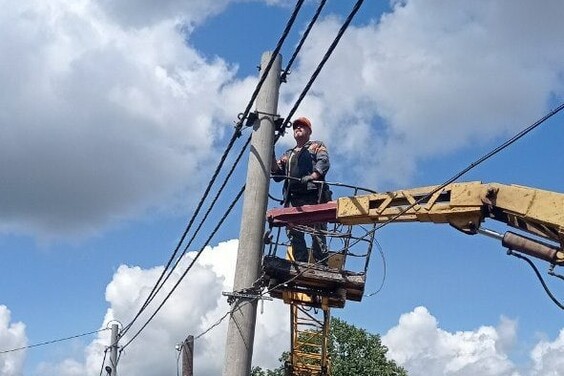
(302, 120)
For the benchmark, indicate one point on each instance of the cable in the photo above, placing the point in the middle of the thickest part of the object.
(325, 58)
(179, 258)
(213, 325)
(183, 237)
(103, 361)
(384, 273)
(286, 71)
(504, 145)
(496, 150)
(543, 283)
(51, 342)
(187, 269)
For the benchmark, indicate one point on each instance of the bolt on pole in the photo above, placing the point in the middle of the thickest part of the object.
(241, 330)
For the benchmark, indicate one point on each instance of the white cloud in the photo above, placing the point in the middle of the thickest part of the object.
(435, 76)
(12, 336)
(142, 13)
(419, 345)
(100, 122)
(195, 306)
(548, 357)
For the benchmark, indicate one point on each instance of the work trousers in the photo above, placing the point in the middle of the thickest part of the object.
(297, 238)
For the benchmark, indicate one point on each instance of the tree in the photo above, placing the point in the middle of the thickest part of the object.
(353, 352)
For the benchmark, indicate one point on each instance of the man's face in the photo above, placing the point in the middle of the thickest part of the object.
(301, 131)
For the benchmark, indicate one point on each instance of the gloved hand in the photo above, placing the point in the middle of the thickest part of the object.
(306, 179)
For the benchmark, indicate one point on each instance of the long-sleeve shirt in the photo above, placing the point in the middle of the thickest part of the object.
(299, 162)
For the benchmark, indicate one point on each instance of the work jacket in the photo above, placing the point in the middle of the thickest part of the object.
(313, 156)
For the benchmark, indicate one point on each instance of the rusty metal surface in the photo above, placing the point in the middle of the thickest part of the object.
(305, 214)
(314, 280)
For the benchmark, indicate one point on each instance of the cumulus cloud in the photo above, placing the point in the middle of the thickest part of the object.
(429, 71)
(548, 357)
(12, 336)
(419, 345)
(195, 306)
(101, 122)
(142, 13)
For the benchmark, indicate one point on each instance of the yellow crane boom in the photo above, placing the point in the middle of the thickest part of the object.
(465, 206)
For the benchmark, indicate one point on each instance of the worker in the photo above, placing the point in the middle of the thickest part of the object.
(303, 169)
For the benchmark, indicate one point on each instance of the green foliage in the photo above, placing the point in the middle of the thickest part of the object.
(257, 371)
(353, 352)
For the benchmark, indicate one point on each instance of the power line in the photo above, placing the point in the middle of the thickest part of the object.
(51, 341)
(326, 57)
(161, 282)
(479, 161)
(185, 233)
(275, 53)
(104, 361)
(286, 71)
(188, 268)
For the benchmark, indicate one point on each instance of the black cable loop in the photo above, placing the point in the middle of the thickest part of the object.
(212, 234)
(286, 71)
(539, 276)
(552, 273)
(329, 183)
(384, 271)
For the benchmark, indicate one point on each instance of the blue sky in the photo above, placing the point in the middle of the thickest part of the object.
(115, 114)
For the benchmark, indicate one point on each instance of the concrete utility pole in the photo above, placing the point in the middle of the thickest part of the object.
(114, 350)
(188, 356)
(241, 331)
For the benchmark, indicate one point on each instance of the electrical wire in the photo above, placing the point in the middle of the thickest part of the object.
(286, 71)
(104, 361)
(213, 325)
(482, 159)
(183, 237)
(275, 53)
(384, 272)
(326, 57)
(179, 258)
(212, 234)
(51, 341)
(479, 161)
